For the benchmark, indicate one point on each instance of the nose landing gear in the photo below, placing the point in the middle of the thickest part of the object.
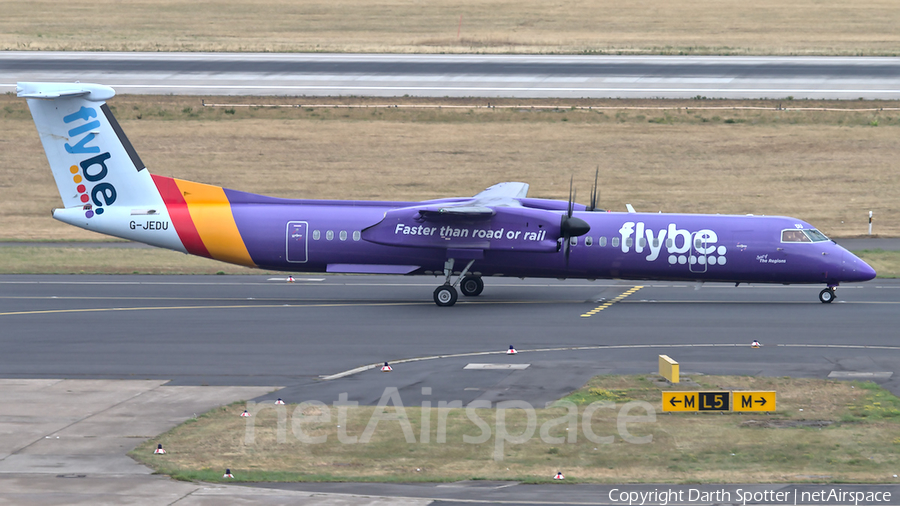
(445, 295)
(827, 295)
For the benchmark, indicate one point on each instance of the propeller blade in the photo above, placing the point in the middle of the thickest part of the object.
(571, 197)
(595, 193)
(568, 248)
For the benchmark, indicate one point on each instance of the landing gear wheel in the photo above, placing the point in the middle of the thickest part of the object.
(471, 286)
(445, 295)
(826, 295)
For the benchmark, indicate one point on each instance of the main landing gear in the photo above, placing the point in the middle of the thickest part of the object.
(827, 295)
(446, 294)
(471, 286)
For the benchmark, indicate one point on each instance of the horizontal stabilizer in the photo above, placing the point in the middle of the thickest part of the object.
(48, 91)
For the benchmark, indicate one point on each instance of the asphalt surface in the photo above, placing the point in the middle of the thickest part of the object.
(464, 75)
(253, 330)
(314, 335)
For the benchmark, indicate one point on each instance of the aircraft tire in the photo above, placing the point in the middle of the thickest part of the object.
(826, 296)
(471, 286)
(445, 296)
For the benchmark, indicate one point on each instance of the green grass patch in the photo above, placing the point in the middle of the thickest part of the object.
(835, 431)
(885, 263)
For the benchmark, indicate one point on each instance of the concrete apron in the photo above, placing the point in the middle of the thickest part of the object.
(65, 442)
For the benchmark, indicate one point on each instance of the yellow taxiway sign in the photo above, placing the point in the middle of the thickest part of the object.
(696, 401)
(754, 401)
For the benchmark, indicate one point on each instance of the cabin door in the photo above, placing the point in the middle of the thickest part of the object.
(296, 242)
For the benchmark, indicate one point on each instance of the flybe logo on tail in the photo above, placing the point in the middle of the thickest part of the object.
(89, 174)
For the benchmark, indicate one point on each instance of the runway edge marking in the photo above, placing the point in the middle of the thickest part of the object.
(364, 368)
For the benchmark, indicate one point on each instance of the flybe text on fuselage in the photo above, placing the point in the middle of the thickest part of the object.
(677, 242)
(90, 169)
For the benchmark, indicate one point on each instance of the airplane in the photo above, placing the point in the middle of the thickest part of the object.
(106, 188)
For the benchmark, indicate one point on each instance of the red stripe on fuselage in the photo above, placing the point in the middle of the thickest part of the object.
(181, 217)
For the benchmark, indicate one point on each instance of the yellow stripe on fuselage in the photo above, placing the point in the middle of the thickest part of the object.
(211, 214)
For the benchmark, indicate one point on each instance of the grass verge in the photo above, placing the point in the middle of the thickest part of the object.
(823, 431)
(885, 263)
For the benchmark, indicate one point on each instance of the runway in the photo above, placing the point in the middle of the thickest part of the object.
(520, 76)
(310, 335)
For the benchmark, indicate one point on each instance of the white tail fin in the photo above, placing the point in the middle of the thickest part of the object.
(94, 164)
(103, 183)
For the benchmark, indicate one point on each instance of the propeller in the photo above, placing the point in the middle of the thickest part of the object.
(571, 226)
(595, 192)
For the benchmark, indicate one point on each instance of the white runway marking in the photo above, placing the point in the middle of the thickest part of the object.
(364, 368)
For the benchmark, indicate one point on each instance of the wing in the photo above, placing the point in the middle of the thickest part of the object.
(509, 190)
(481, 205)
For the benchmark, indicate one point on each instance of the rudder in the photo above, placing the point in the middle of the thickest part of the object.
(94, 164)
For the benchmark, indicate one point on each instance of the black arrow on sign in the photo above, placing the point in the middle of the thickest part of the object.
(672, 401)
(762, 402)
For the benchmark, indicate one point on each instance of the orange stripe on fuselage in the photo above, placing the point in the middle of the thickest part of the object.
(211, 214)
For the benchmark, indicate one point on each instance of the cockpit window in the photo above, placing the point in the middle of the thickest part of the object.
(794, 236)
(815, 235)
(798, 235)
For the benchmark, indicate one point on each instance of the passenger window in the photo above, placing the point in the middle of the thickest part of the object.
(655, 242)
(602, 242)
(615, 242)
(629, 242)
(316, 235)
(588, 241)
(573, 241)
(329, 235)
(642, 242)
(343, 235)
(356, 235)
(669, 243)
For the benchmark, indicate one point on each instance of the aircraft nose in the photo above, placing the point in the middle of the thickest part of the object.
(855, 269)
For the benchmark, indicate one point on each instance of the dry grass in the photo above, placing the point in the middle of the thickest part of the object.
(858, 446)
(828, 168)
(462, 26)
